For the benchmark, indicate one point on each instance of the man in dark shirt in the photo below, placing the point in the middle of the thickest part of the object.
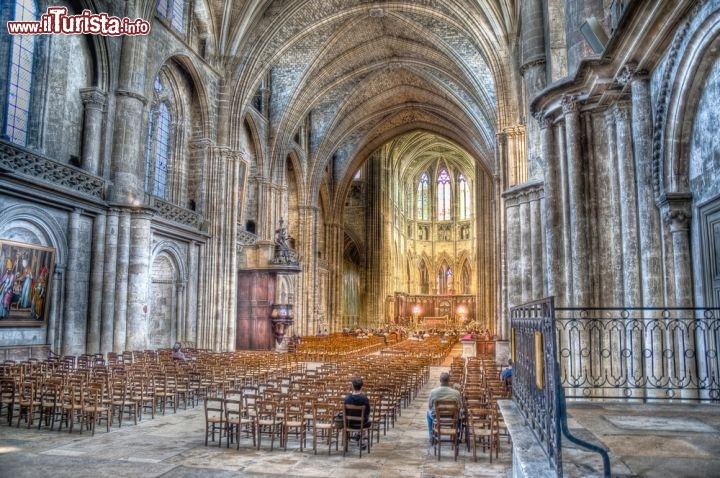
(357, 397)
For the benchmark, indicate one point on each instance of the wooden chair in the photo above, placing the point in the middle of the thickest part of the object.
(94, 409)
(269, 422)
(166, 391)
(323, 425)
(28, 402)
(214, 418)
(248, 421)
(50, 402)
(122, 403)
(8, 398)
(233, 420)
(355, 421)
(483, 430)
(71, 406)
(295, 423)
(143, 393)
(446, 426)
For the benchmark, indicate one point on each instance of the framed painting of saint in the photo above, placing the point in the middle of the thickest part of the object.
(25, 281)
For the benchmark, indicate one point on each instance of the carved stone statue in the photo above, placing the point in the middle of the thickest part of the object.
(283, 252)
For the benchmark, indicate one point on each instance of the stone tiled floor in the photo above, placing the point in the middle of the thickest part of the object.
(174, 446)
(644, 440)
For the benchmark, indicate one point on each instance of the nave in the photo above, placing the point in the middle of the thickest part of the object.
(173, 445)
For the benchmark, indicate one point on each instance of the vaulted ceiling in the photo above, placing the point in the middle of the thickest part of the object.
(366, 72)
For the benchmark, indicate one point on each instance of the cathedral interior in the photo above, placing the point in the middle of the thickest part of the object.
(463, 157)
(358, 164)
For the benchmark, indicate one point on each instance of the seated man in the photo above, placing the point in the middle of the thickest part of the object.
(357, 397)
(506, 373)
(442, 392)
(177, 353)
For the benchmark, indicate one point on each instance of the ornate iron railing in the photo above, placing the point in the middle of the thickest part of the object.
(535, 388)
(35, 168)
(639, 353)
(536, 381)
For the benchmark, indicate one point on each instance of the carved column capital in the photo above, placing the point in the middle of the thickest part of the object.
(569, 104)
(630, 73)
(676, 211)
(622, 110)
(543, 119)
(93, 97)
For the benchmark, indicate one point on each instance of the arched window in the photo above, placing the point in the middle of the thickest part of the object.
(423, 198)
(464, 198)
(424, 282)
(22, 53)
(445, 280)
(443, 196)
(173, 11)
(157, 152)
(465, 279)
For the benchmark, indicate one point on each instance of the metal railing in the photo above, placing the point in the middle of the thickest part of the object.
(639, 354)
(536, 380)
(535, 387)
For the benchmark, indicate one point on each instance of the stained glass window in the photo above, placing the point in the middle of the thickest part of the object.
(157, 151)
(174, 11)
(423, 202)
(443, 196)
(20, 78)
(464, 198)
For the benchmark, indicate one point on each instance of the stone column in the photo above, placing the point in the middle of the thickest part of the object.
(525, 257)
(536, 247)
(74, 328)
(56, 307)
(335, 263)
(628, 219)
(552, 212)
(514, 251)
(108, 282)
(180, 300)
(127, 162)
(628, 212)
(138, 280)
(191, 306)
(648, 213)
(96, 285)
(308, 226)
(677, 216)
(615, 255)
(576, 196)
(94, 100)
(682, 338)
(533, 70)
(121, 282)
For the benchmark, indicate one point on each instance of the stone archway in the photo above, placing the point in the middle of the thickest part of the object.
(162, 323)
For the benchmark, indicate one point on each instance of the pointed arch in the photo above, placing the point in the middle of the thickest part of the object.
(443, 195)
(422, 198)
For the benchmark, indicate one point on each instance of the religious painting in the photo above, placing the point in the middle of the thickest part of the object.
(25, 283)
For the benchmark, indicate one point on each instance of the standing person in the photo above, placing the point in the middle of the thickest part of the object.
(358, 397)
(442, 392)
(7, 281)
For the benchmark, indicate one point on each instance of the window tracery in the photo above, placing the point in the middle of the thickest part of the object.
(158, 151)
(173, 11)
(443, 196)
(423, 196)
(21, 76)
